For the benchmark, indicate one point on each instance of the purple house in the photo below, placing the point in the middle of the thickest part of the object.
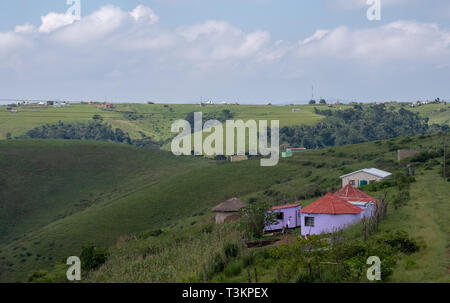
(286, 215)
(328, 214)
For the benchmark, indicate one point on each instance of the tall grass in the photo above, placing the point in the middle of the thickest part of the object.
(171, 260)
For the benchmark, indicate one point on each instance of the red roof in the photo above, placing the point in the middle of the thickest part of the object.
(285, 206)
(349, 193)
(330, 204)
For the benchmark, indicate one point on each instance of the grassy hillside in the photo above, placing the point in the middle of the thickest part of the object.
(180, 206)
(178, 254)
(59, 195)
(80, 192)
(437, 113)
(152, 120)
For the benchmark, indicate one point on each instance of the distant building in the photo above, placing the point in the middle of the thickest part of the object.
(286, 215)
(405, 153)
(150, 102)
(228, 210)
(224, 103)
(364, 176)
(59, 104)
(107, 105)
(237, 158)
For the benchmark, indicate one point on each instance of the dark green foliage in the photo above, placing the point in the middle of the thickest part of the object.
(255, 217)
(356, 125)
(231, 250)
(151, 233)
(233, 268)
(400, 241)
(94, 130)
(224, 115)
(92, 257)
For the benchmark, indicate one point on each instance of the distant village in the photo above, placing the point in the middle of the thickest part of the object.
(330, 213)
(13, 107)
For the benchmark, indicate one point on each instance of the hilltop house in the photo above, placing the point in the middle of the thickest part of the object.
(364, 176)
(228, 210)
(328, 214)
(286, 215)
(405, 153)
(358, 198)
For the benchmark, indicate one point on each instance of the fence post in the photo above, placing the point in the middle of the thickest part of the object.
(205, 279)
(249, 276)
(256, 276)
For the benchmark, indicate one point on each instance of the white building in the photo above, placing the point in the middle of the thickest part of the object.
(364, 176)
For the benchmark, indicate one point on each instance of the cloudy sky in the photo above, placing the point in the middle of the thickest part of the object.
(252, 51)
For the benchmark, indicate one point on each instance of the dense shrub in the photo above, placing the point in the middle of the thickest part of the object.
(400, 241)
(231, 250)
(92, 257)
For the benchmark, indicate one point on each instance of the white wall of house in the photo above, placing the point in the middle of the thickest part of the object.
(356, 178)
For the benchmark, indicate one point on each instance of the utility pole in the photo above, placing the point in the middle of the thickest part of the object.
(443, 173)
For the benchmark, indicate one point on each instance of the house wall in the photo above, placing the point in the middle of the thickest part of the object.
(327, 223)
(358, 177)
(222, 216)
(368, 211)
(291, 213)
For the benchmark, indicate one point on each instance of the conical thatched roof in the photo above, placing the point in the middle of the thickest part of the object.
(231, 205)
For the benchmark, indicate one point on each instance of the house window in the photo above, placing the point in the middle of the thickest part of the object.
(352, 182)
(280, 216)
(309, 221)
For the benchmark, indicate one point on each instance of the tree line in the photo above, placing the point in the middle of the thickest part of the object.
(356, 125)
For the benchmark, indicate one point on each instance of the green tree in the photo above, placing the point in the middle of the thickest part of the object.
(312, 101)
(322, 101)
(97, 118)
(255, 217)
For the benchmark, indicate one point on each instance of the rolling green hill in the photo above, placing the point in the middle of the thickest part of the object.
(181, 252)
(152, 120)
(60, 195)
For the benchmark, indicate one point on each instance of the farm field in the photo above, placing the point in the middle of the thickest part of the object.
(153, 121)
(77, 193)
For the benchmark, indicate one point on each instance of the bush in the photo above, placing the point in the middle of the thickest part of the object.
(91, 257)
(233, 268)
(231, 250)
(248, 259)
(218, 263)
(400, 241)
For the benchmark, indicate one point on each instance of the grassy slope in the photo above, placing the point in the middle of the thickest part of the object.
(425, 217)
(30, 117)
(156, 120)
(432, 111)
(142, 189)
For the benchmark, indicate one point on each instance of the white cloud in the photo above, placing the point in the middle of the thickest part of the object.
(25, 28)
(112, 44)
(401, 40)
(144, 13)
(53, 21)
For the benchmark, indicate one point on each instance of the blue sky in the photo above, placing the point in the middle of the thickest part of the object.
(253, 51)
